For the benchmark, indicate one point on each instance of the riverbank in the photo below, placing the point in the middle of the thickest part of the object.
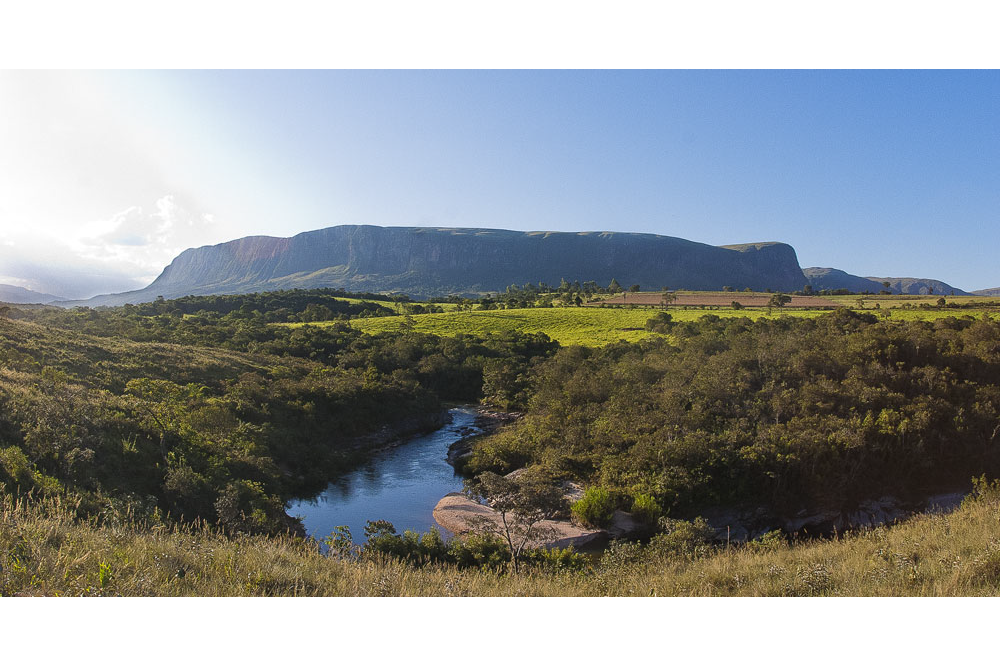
(487, 421)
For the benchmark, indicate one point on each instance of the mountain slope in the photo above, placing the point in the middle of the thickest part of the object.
(424, 261)
(834, 279)
(14, 294)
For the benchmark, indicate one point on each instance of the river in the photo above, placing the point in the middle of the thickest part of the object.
(401, 484)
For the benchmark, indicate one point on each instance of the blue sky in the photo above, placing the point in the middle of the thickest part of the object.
(890, 173)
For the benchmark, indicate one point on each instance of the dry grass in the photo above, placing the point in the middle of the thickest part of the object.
(44, 551)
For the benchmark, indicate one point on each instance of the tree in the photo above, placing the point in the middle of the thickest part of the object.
(633, 289)
(779, 300)
(521, 503)
(667, 298)
(614, 287)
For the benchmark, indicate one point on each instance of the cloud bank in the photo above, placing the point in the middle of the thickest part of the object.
(124, 252)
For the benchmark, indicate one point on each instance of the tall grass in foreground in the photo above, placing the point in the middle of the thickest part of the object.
(45, 551)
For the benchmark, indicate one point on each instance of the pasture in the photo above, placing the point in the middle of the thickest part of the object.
(683, 298)
(598, 324)
(570, 326)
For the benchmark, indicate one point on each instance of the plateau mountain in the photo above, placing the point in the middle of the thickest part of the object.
(426, 262)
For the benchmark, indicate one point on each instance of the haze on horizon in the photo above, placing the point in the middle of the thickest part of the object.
(106, 176)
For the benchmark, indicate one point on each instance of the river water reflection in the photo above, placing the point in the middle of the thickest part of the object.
(401, 485)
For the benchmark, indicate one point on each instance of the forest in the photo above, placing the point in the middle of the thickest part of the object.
(781, 412)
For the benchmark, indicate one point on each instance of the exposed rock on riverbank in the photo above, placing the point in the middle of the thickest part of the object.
(459, 514)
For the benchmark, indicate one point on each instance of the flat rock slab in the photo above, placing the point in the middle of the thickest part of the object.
(458, 513)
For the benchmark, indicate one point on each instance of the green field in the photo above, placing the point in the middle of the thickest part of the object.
(569, 326)
(591, 326)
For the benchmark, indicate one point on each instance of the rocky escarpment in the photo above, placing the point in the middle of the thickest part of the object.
(424, 261)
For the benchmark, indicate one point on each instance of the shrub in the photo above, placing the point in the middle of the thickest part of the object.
(683, 538)
(645, 508)
(557, 560)
(595, 508)
(480, 550)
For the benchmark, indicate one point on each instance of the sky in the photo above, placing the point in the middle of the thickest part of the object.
(105, 176)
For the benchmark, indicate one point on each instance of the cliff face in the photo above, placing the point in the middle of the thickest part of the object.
(423, 261)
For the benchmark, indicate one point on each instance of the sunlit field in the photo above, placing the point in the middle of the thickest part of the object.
(569, 326)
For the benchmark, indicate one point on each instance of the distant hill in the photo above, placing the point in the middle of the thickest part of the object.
(14, 294)
(425, 261)
(920, 286)
(834, 279)
(993, 291)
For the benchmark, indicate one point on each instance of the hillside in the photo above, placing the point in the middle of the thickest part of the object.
(833, 279)
(423, 261)
(14, 294)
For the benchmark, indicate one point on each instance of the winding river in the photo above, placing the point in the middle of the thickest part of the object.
(401, 484)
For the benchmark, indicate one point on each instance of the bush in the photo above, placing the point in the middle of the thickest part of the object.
(683, 538)
(488, 552)
(411, 546)
(645, 509)
(557, 560)
(595, 508)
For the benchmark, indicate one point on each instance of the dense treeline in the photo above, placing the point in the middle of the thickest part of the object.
(315, 305)
(786, 413)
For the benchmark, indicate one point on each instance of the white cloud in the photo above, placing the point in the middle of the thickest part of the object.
(124, 252)
(143, 240)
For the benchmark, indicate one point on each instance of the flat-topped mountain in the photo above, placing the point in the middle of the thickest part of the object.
(425, 261)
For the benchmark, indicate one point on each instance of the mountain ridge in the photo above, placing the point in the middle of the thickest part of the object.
(23, 295)
(825, 278)
(434, 261)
